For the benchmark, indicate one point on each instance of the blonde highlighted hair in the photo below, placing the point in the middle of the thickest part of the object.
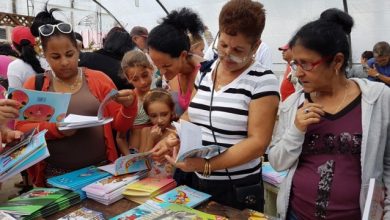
(134, 58)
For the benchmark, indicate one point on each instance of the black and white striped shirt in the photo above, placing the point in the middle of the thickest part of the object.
(230, 109)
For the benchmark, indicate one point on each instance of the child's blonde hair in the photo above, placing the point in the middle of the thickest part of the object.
(160, 95)
(134, 58)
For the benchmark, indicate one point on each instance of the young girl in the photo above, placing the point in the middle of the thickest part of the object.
(160, 108)
(137, 69)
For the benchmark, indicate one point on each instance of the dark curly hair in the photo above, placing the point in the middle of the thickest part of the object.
(171, 35)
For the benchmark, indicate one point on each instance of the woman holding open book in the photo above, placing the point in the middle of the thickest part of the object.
(235, 104)
(74, 149)
(332, 136)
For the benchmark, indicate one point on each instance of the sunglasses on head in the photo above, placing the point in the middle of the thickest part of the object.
(48, 29)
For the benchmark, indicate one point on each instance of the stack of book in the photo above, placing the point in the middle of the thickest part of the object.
(154, 210)
(83, 214)
(78, 179)
(110, 189)
(148, 188)
(29, 150)
(272, 176)
(183, 195)
(39, 202)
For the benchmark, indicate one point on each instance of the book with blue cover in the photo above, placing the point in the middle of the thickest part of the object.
(140, 211)
(40, 106)
(183, 195)
(24, 157)
(77, 179)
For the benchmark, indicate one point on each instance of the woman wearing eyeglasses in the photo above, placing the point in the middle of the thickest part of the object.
(75, 149)
(332, 136)
(235, 104)
(169, 48)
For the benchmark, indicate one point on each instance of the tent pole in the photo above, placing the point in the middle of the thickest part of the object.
(162, 6)
(105, 9)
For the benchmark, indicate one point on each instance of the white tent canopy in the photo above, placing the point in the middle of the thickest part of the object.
(283, 17)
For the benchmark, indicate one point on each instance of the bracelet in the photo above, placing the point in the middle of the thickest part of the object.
(207, 168)
(125, 116)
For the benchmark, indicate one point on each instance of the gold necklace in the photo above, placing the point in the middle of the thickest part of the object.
(75, 84)
(342, 101)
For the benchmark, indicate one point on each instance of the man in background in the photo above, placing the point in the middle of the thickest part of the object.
(379, 66)
(139, 35)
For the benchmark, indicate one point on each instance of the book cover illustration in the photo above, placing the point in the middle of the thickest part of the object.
(374, 206)
(17, 159)
(138, 212)
(128, 164)
(73, 121)
(109, 184)
(147, 186)
(161, 170)
(83, 214)
(40, 106)
(78, 178)
(183, 195)
(32, 201)
(16, 144)
(191, 142)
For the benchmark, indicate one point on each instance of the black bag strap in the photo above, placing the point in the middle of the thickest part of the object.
(39, 79)
(205, 67)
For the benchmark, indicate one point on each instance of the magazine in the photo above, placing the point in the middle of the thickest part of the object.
(40, 106)
(73, 121)
(183, 195)
(128, 164)
(374, 206)
(191, 142)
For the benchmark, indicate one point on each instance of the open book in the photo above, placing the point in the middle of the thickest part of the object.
(40, 106)
(73, 121)
(191, 142)
(128, 164)
(374, 206)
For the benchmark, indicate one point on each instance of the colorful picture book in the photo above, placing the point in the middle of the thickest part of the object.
(73, 121)
(272, 176)
(78, 179)
(183, 195)
(40, 106)
(147, 188)
(32, 201)
(24, 157)
(83, 214)
(374, 206)
(128, 164)
(16, 144)
(139, 212)
(191, 142)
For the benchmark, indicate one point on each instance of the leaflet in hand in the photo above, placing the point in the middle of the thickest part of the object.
(128, 164)
(191, 142)
(73, 121)
(39, 106)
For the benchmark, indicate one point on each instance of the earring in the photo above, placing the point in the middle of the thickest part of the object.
(337, 72)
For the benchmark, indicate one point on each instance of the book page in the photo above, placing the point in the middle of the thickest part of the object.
(190, 138)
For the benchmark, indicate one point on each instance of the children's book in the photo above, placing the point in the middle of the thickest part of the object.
(73, 121)
(128, 164)
(374, 206)
(191, 142)
(147, 188)
(183, 195)
(109, 184)
(83, 214)
(16, 144)
(24, 157)
(32, 201)
(272, 176)
(77, 179)
(140, 211)
(40, 106)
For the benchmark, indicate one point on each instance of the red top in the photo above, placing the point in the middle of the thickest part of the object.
(99, 85)
(286, 88)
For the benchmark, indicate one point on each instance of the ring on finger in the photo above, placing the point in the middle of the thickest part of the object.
(306, 110)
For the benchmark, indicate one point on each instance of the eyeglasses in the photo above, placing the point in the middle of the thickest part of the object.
(48, 29)
(222, 55)
(307, 66)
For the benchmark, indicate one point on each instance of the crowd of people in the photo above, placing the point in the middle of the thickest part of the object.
(325, 122)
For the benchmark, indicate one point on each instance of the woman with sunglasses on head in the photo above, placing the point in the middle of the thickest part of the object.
(169, 49)
(235, 104)
(334, 134)
(75, 149)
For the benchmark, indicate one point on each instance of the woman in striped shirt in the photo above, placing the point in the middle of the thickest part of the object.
(235, 104)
